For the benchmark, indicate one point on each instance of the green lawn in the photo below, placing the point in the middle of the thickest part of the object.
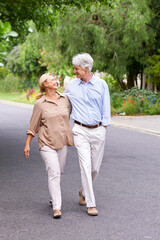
(14, 97)
(21, 97)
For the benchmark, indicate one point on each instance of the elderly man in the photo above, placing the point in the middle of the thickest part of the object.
(89, 96)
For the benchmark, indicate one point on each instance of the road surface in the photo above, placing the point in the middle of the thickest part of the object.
(127, 190)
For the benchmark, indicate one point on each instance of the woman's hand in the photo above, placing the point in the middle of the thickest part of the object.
(27, 145)
(26, 150)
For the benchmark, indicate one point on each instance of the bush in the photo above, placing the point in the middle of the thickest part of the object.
(130, 106)
(151, 107)
(112, 83)
(117, 99)
(113, 110)
(14, 83)
(3, 72)
(135, 101)
(9, 84)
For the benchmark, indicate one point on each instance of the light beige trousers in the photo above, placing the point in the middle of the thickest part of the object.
(90, 147)
(55, 162)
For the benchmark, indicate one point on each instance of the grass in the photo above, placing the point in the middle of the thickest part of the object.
(14, 97)
(21, 97)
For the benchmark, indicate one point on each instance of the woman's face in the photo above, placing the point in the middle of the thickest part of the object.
(51, 82)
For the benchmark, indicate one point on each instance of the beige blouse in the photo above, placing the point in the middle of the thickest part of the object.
(51, 121)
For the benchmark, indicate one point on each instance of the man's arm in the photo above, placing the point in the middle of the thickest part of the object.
(105, 106)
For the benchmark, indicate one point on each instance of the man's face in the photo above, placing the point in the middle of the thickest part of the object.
(80, 72)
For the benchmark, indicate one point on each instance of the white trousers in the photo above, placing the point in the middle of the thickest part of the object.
(90, 147)
(55, 162)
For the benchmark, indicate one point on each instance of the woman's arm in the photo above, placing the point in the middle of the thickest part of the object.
(33, 128)
(27, 145)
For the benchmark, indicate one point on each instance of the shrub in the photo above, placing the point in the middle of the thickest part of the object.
(116, 99)
(9, 84)
(130, 106)
(151, 107)
(135, 101)
(3, 72)
(113, 110)
(112, 83)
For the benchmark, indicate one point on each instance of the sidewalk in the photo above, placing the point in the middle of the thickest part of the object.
(147, 124)
(23, 105)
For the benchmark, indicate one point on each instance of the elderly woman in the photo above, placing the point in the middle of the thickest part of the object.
(50, 119)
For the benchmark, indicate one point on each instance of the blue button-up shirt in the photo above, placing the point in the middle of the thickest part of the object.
(90, 101)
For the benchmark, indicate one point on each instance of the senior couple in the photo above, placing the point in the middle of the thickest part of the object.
(87, 99)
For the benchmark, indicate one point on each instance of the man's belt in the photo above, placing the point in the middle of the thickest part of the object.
(88, 126)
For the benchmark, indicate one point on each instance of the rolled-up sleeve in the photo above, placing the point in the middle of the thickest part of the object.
(35, 120)
(69, 106)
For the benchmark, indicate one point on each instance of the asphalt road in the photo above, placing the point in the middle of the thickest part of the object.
(127, 189)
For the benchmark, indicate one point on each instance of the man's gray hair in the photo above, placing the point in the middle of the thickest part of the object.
(83, 60)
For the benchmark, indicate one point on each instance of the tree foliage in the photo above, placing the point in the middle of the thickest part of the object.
(16, 14)
(153, 68)
(23, 60)
(155, 22)
(5, 30)
(120, 38)
(41, 12)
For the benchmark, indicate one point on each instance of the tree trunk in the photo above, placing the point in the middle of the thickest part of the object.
(141, 80)
(149, 86)
(144, 81)
(130, 80)
(122, 84)
(155, 87)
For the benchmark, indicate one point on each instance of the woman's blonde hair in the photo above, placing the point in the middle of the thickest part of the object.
(42, 79)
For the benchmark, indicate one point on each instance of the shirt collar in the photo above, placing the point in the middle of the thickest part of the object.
(90, 81)
(44, 96)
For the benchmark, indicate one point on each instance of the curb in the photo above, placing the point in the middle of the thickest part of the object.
(113, 123)
(23, 105)
(144, 130)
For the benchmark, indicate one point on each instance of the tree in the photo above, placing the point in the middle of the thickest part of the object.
(155, 23)
(153, 69)
(153, 65)
(119, 39)
(44, 13)
(41, 12)
(23, 60)
(5, 30)
(132, 39)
